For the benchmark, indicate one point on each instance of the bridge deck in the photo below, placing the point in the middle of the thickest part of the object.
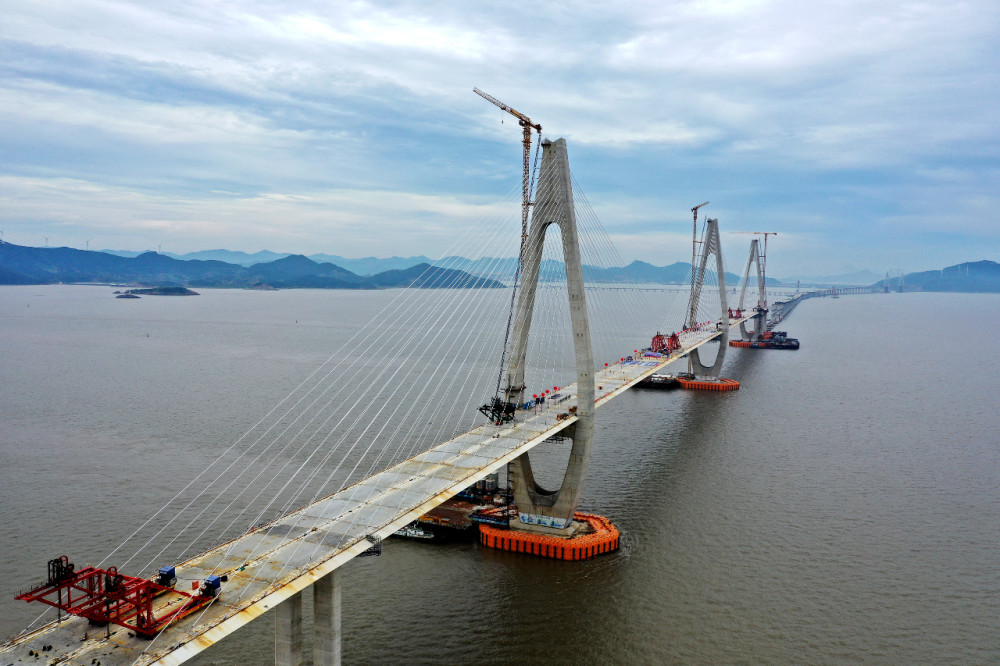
(266, 566)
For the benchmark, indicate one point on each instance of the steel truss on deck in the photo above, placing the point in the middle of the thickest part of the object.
(104, 596)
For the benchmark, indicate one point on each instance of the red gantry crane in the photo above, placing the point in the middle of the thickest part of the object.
(106, 596)
(525, 122)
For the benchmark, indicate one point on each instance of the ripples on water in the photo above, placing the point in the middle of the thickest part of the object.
(841, 507)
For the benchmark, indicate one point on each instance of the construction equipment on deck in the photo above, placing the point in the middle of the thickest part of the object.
(106, 596)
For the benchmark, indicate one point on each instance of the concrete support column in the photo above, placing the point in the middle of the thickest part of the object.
(288, 632)
(326, 647)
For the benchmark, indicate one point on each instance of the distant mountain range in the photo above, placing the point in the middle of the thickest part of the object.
(637, 271)
(365, 266)
(492, 267)
(28, 265)
(32, 265)
(35, 265)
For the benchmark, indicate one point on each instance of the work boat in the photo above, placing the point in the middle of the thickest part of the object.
(412, 531)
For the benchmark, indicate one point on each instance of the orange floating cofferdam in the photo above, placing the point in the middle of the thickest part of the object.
(601, 537)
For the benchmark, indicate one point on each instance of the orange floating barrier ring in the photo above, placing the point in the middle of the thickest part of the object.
(719, 384)
(602, 538)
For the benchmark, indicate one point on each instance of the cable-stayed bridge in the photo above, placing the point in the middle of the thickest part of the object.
(266, 568)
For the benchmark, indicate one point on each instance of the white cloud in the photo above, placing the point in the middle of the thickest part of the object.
(133, 120)
(260, 96)
(350, 222)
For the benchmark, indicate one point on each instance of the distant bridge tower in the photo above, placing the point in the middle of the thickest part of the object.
(710, 245)
(553, 205)
(895, 280)
(760, 321)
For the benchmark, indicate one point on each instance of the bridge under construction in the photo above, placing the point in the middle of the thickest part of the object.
(266, 569)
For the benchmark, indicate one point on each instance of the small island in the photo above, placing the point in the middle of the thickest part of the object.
(162, 291)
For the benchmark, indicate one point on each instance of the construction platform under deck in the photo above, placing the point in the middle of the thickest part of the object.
(269, 565)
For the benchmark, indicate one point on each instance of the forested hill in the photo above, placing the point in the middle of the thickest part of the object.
(973, 276)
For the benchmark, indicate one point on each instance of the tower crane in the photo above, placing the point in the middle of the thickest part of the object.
(765, 234)
(525, 122)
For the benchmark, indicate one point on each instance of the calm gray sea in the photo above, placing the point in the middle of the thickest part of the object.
(842, 507)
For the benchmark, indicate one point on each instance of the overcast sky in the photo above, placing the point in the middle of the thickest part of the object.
(865, 133)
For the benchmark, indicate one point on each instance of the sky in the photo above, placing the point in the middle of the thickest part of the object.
(864, 132)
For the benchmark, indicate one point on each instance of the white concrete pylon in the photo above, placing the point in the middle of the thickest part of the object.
(760, 321)
(710, 245)
(553, 205)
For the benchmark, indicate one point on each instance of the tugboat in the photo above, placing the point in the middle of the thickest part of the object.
(415, 532)
(659, 381)
(780, 340)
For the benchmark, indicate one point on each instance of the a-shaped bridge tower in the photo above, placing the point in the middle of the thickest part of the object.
(711, 245)
(760, 310)
(541, 510)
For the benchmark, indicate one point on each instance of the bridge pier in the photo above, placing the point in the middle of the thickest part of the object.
(326, 625)
(326, 649)
(288, 632)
